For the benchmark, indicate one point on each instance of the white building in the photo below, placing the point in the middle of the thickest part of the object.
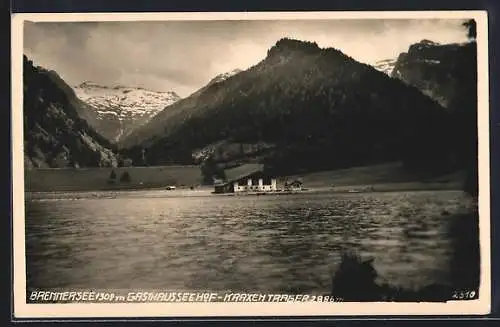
(258, 187)
(247, 178)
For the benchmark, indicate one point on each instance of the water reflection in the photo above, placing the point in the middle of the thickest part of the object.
(270, 244)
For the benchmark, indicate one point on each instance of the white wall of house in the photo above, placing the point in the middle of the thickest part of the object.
(274, 186)
(259, 187)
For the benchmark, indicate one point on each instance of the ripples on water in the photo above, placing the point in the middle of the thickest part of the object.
(271, 244)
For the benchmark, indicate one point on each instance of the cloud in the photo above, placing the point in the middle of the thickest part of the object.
(183, 56)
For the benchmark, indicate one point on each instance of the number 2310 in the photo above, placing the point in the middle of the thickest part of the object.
(464, 295)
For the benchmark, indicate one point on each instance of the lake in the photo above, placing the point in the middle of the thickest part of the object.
(192, 240)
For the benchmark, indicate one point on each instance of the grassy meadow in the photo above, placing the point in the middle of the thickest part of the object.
(95, 179)
(384, 177)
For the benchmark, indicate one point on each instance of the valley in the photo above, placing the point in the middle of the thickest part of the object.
(293, 155)
(301, 111)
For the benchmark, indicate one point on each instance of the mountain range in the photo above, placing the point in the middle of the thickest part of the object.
(118, 110)
(172, 112)
(301, 108)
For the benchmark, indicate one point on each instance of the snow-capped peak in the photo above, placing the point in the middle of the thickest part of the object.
(132, 106)
(123, 100)
(222, 77)
(89, 84)
(385, 66)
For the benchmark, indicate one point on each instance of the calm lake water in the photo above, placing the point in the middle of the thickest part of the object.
(196, 241)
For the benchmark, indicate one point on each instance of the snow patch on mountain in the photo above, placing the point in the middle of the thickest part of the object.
(124, 102)
(121, 109)
(385, 66)
(222, 77)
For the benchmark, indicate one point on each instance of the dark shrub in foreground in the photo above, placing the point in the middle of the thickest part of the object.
(355, 278)
(355, 281)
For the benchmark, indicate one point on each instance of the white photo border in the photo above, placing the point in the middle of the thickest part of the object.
(128, 310)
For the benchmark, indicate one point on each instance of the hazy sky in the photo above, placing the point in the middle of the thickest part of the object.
(183, 56)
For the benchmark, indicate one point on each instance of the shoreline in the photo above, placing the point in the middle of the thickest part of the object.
(208, 192)
(349, 189)
(378, 178)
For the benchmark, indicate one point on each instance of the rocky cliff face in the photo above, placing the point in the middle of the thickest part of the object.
(448, 74)
(440, 71)
(55, 134)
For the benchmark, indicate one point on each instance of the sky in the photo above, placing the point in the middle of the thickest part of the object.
(182, 56)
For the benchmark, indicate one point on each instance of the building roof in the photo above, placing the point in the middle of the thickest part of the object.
(242, 171)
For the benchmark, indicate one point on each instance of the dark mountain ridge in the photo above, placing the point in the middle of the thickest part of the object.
(56, 131)
(313, 108)
(448, 74)
(175, 113)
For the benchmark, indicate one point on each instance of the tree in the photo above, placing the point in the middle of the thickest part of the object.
(125, 177)
(112, 177)
(143, 157)
(210, 170)
(471, 28)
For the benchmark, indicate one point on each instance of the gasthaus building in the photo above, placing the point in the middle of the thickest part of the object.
(247, 179)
